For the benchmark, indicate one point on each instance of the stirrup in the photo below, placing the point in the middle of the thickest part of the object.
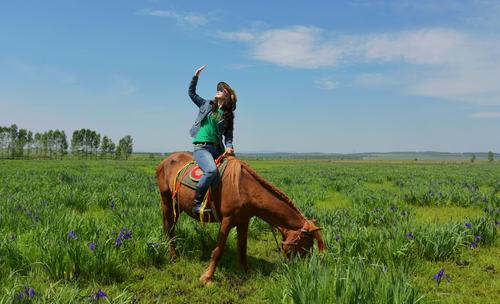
(196, 209)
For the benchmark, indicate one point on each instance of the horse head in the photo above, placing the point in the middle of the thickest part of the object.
(301, 241)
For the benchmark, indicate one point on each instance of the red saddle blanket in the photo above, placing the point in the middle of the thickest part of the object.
(192, 173)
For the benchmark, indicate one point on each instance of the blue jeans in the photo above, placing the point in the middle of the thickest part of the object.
(205, 156)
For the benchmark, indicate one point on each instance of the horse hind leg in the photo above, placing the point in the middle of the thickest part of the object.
(169, 220)
(242, 231)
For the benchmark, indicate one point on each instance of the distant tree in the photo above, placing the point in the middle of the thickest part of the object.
(490, 156)
(20, 143)
(11, 140)
(111, 149)
(45, 144)
(62, 144)
(125, 147)
(50, 143)
(105, 143)
(3, 140)
(473, 158)
(29, 143)
(96, 140)
(38, 144)
(77, 143)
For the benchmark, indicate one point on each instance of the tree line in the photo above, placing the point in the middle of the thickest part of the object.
(18, 143)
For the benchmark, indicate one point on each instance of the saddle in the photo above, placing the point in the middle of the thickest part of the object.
(189, 175)
(192, 173)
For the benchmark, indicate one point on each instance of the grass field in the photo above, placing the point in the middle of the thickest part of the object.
(80, 231)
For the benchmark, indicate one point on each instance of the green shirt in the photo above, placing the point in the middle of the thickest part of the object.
(209, 131)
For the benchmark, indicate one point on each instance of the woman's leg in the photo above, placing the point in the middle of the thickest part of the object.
(205, 159)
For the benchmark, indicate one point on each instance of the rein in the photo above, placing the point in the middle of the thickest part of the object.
(275, 239)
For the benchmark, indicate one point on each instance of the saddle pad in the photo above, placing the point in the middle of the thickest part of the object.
(188, 181)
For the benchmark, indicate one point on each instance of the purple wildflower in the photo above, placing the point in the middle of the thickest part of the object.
(338, 238)
(27, 293)
(72, 234)
(497, 222)
(478, 237)
(410, 235)
(96, 296)
(112, 204)
(118, 242)
(439, 276)
(468, 225)
(126, 234)
(123, 235)
(473, 245)
(13, 237)
(92, 246)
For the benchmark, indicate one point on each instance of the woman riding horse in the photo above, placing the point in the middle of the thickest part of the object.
(215, 119)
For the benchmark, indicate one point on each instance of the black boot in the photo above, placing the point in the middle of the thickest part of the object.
(198, 200)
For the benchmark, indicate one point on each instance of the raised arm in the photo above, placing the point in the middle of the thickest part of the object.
(192, 88)
(228, 139)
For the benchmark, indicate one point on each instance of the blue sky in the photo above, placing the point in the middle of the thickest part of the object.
(311, 76)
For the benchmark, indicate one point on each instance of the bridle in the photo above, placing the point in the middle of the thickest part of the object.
(304, 232)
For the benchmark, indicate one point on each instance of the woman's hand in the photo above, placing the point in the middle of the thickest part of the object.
(229, 150)
(197, 73)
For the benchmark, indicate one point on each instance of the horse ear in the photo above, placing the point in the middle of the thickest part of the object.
(317, 236)
(312, 226)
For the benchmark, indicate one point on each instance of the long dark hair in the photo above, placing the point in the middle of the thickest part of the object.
(228, 114)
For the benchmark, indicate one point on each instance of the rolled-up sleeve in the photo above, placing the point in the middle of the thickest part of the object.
(192, 92)
(228, 138)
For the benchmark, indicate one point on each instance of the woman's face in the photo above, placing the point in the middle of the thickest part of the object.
(221, 95)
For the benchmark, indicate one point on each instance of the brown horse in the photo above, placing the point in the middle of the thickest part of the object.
(241, 194)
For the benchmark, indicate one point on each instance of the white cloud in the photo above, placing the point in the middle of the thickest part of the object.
(182, 18)
(297, 47)
(326, 83)
(236, 36)
(376, 80)
(486, 115)
(425, 46)
(437, 62)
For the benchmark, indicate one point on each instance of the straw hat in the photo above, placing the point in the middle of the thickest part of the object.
(222, 85)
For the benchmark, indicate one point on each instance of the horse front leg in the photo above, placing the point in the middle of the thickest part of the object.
(242, 230)
(224, 229)
(169, 223)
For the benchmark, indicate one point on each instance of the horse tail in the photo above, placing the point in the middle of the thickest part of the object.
(162, 176)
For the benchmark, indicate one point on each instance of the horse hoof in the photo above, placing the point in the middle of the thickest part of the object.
(174, 256)
(207, 281)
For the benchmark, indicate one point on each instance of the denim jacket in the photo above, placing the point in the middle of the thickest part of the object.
(205, 109)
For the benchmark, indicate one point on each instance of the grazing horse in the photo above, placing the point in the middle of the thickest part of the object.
(241, 195)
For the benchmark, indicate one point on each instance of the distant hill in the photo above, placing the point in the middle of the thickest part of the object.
(426, 155)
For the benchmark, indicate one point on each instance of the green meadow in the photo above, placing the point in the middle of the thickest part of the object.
(395, 232)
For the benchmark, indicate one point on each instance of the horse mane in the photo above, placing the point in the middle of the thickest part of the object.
(280, 194)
